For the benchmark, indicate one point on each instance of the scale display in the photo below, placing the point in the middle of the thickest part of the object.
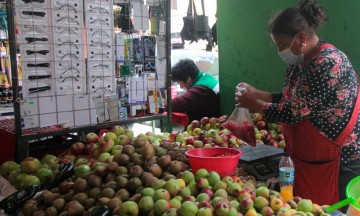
(261, 161)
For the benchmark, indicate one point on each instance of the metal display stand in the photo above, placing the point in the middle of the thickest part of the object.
(22, 139)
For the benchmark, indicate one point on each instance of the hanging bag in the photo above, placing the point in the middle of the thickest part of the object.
(188, 31)
(241, 125)
(202, 24)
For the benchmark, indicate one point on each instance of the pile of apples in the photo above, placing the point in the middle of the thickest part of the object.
(207, 132)
(31, 171)
(266, 132)
(204, 193)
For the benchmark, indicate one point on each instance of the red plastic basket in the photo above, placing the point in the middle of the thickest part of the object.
(212, 159)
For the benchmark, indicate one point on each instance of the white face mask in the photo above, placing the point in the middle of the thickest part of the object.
(289, 57)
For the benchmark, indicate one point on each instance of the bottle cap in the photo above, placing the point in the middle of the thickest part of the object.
(286, 154)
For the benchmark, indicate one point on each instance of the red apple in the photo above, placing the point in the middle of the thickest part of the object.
(189, 140)
(280, 137)
(261, 124)
(204, 120)
(195, 124)
(224, 144)
(106, 146)
(91, 138)
(102, 132)
(274, 143)
(77, 148)
(212, 121)
(173, 135)
(90, 148)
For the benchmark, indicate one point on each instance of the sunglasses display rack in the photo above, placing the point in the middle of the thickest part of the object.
(99, 18)
(68, 22)
(35, 42)
(71, 77)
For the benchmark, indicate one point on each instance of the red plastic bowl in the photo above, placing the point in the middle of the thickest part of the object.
(212, 159)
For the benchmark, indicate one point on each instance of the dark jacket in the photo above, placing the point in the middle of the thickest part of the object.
(197, 102)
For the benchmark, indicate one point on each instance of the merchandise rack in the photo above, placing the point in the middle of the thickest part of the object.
(24, 136)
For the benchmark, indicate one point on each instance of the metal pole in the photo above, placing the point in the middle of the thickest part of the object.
(22, 149)
(168, 64)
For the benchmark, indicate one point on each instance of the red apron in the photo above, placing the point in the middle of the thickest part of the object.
(316, 157)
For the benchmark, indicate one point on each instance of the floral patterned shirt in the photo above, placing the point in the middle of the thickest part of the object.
(324, 91)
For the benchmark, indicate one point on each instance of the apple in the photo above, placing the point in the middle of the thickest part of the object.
(90, 148)
(278, 128)
(68, 158)
(118, 130)
(204, 120)
(189, 140)
(107, 145)
(180, 138)
(280, 137)
(207, 140)
(189, 128)
(30, 165)
(110, 136)
(282, 144)
(195, 124)
(105, 157)
(196, 132)
(129, 133)
(173, 135)
(91, 138)
(198, 144)
(261, 124)
(274, 133)
(213, 132)
(255, 117)
(77, 148)
(116, 150)
(263, 132)
(212, 121)
(207, 126)
(272, 126)
(224, 144)
(274, 143)
(218, 139)
(102, 132)
(82, 170)
(81, 161)
(122, 140)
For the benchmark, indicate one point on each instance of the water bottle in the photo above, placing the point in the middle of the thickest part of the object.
(286, 176)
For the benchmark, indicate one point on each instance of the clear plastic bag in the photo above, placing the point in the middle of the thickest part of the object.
(241, 125)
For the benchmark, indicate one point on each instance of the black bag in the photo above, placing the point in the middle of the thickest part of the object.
(124, 21)
(203, 30)
(188, 31)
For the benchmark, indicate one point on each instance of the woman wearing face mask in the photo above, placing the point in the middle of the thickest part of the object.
(318, 106)
(201, 98)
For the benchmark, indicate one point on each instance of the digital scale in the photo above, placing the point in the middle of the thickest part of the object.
(261, 161)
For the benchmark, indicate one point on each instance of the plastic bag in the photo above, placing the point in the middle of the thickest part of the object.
(241, 125)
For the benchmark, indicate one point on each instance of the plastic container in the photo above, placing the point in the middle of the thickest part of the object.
(224, 161)
(352, 195)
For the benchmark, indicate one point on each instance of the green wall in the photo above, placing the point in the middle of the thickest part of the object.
(247, 53)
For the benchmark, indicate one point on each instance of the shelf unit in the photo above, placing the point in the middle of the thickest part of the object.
(22, 139)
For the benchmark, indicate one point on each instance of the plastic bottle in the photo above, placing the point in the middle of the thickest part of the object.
(286, 176)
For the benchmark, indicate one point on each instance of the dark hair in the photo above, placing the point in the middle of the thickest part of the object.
(307, 17)
(183, 69)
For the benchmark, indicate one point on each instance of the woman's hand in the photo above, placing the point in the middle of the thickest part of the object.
(246, 97)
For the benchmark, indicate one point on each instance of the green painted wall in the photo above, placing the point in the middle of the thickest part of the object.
(247, 53)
